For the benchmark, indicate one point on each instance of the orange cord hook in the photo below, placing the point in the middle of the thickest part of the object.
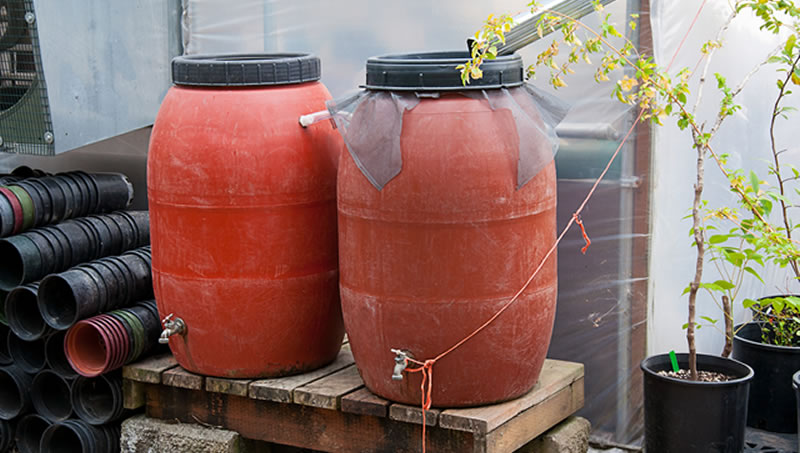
(588, 241)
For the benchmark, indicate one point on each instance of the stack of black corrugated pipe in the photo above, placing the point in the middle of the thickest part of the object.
(76, 304)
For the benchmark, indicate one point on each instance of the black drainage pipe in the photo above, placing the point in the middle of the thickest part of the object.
(57, 357)
(5, 357)
(27, 355)
(98, 400)
(95, 287)
(29, 432)
(30, 256)
(6, 434)
(51, 199)
(3, 295)
(22, 312)
(50, 395)
(79, 436)
(15, 387)
(24, 171)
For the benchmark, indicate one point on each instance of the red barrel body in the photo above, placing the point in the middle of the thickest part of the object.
(440, 249)
(243, 228)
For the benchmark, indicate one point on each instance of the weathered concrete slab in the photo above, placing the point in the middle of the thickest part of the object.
(148, 435)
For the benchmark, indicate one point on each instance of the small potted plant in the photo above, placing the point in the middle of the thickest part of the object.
(693, 402)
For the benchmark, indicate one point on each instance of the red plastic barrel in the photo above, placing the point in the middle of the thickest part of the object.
(243, 216)
(445, 244)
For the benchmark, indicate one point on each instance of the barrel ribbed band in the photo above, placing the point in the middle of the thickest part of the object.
(245, 70)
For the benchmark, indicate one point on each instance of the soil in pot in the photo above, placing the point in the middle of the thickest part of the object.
(702, 376)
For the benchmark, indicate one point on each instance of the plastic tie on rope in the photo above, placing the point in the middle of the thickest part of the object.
(583, 232)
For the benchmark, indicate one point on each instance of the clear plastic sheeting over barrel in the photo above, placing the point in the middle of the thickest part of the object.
(371, 123)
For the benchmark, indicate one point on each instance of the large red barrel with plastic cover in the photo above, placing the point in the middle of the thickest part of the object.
(243, 217)
(447, 204)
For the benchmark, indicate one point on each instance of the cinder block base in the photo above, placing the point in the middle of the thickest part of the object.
(148, 435)
(570, 436)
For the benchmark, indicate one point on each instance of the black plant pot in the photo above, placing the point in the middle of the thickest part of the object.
(686, 416)
(771, 405)
(796, 385)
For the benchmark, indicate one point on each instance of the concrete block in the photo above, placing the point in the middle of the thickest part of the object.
(570, 436)
(148, 435)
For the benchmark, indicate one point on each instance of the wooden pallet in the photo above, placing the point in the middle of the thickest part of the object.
(330, 409)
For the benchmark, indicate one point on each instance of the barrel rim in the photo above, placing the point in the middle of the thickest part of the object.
(246, 69)
(436, 71)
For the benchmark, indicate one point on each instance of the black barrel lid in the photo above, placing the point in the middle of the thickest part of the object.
(436, 71)
(245, 69)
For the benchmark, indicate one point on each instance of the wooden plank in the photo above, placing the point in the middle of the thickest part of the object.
(532, 422)
(178, 377)
(364, 402)
(133, 395)
(413, 414)
(327, 393)
(556, 376)
(280, 389)
(237, 387)
(149, 370)
(302, 426)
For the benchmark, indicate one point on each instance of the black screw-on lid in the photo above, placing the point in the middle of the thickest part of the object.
(436, 71)
(245, 70)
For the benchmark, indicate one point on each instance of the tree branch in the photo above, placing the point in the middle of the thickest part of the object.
(775, 153)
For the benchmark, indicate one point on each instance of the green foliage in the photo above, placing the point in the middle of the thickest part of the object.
(780, 317)
(485, 45)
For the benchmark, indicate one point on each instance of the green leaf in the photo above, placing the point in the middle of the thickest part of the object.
(766, 205)
(709, 320)
(752, 272)
(754, 181)
(790, 42)
(725, 285)
(735, 258)
(711, 286)
(718, 238)
(686, 290)
(793, 301)
(720, 80)
(747, 303)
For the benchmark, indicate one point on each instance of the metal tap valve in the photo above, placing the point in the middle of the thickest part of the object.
(171, 327)
(400, 363)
